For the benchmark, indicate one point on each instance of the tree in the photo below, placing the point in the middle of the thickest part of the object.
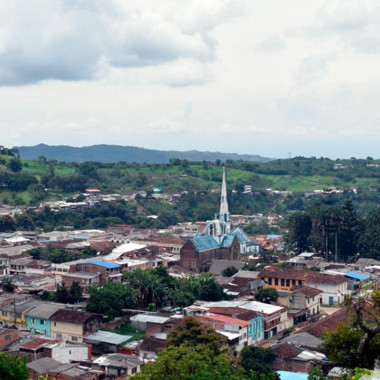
(191, 363)
(257, 359)
(299, 230)
(7, 285)
(193, 333)
(14, 165)
(357, 342)
(13, 368)
(266, 295)
(75, 294)
(229, 271)
(110, 299)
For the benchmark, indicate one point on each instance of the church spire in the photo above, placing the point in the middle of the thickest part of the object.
(224, 214)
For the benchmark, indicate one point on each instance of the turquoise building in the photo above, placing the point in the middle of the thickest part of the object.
(38, 318)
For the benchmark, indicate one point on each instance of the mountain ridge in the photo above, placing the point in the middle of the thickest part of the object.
(115, 153)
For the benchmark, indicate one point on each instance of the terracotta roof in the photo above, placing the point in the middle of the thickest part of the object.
(72, 316)
(285, 273)
(286, 350)
(324, 278)
(224, 319)
(152, 344)
(307, 291)
(39, 342)
(302, 274)
(329, 323)
(248, 315)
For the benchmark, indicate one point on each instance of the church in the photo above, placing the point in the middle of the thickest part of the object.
(217, 241)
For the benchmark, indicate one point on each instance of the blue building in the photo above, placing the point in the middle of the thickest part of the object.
(38, 318)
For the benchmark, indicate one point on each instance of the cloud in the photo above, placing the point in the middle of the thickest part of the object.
(272, 43)
(71, 40)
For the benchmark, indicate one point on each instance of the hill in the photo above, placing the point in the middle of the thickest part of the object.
(115, 153)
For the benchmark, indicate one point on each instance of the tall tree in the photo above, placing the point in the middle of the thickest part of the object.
(299, 230)
(13, 368)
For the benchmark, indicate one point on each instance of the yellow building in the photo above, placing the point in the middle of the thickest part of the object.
(13, 313)
(283, 278)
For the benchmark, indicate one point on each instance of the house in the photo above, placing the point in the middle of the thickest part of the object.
(234, 329)
(148, 321)
(150, 346)
(14, 313)
(55, 369)
(293, 358)
(74, 325)
(334, 287)
(255, 319)
(7, 336)
(303, 302)
(56, 349)
(118, 365)
(84, 279)
(357, 280)
(108, 271)
(272, 317)
(38, 318)
(106, 341)
(283, 278)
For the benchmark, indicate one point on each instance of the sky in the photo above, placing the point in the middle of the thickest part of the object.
(276, 78)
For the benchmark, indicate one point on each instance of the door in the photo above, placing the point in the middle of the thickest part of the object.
(331, 301)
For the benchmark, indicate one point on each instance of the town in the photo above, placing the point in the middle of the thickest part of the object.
(103, 303)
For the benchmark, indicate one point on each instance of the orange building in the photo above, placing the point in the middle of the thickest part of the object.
(283, 278)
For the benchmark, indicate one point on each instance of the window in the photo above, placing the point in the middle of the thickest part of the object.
(276, 281)
(42, 321)
(300, 282)
(74, 338)
(55, 323)
(7, 337)
(58, 335)
(269, 281)
(4, 313)
(287, 282)
(293, 282)
(282, 282)
(33, 320)
(133, 370)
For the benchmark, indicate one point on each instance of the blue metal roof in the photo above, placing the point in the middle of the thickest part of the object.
(102, 264)
(204, 243)
(227, 241)
(356, 276)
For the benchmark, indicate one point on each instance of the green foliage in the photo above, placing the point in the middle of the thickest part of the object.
(316, 374)
(13, 368)
(14, 165)
(229, 271)
(58, 256)
(110, 298)
(257, 359)
(356, 343)
(192, 333)
(266, 295)
(7, 285)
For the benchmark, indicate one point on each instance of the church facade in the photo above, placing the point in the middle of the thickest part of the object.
(216, 242)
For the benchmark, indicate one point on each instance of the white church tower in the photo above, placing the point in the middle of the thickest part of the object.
(220, 227)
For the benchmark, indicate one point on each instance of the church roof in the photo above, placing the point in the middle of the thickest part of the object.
(204, 243)
(227, 241)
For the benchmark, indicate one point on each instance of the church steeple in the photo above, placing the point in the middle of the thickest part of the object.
(224, 214)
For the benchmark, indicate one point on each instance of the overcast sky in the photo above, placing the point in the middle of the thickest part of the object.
(270, 77)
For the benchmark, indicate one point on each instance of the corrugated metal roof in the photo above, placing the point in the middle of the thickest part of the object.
(102, 264)
(204, 243)
(356, 276)
(227, 241)
(149, 318)
(108, 337)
